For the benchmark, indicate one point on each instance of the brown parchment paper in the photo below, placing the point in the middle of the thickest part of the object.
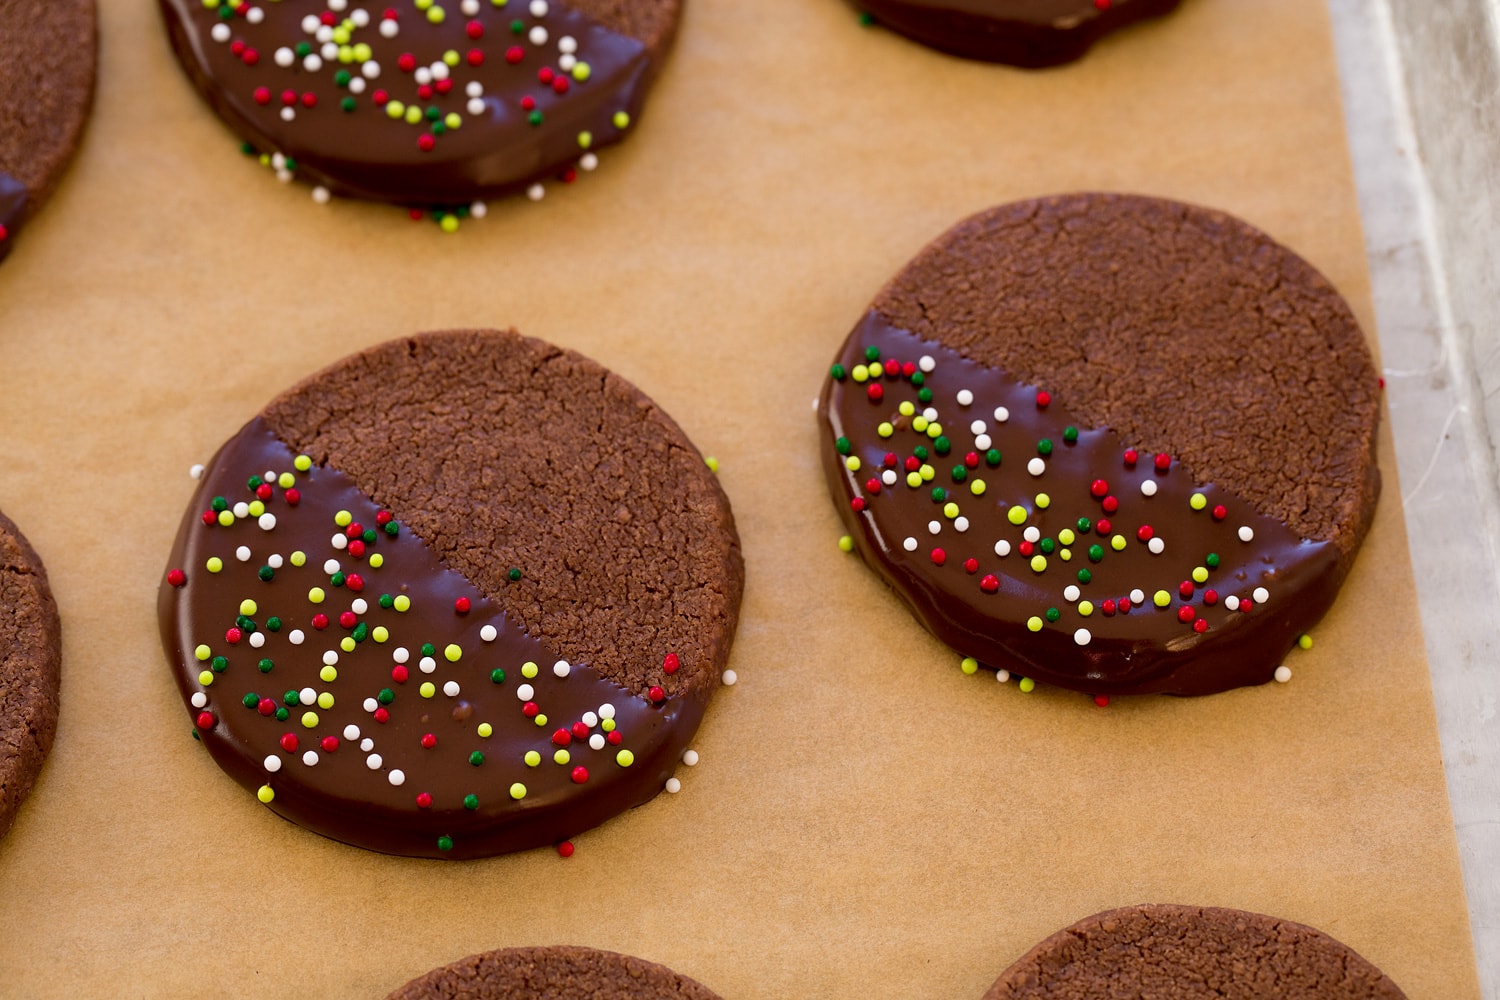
(866, 820)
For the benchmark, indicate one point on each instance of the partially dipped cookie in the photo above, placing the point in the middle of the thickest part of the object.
(46, 88)
(1170, 952)
(1110, 443)
(1030, 33)
(425, 104)
(543, 973)
(30, 669)
(456, 595)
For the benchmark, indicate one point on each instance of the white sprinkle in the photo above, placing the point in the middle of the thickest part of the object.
(1036, 466)
(596, 741)
(1137, 596)
(320, 195)
(561, 668)
(295, 637)
(439, 71)
(535, 192)
(1232, 602)
(339, 541)
(330, 51)
(1148, 488)
(278, 161)
(351, 732)
(474, 89)
(961, 523)
(567, 43)
(1002, 548)
(367, 744)
(371, 68)
(196, 471)
(338, 6)
(469, 7)
(673, 786)
(1001, 414)
(1261, 595)
(310, 758)
(1002, 675)
(524, 692)
(331, 566)
(312, 62)
(888, 477)
(478, 210)
(427, 664)
(538, 8)
(1071, 593)
(310, 24)
(307, 696)
(221, 32)
(910, 544)
(934, 526)
(361, 18)
(242, 509)
(983, 442)
(284, 57)
(256, 15)
(537, 35)
(269, 476)
(488, 633)
(588, 161)
(275, 561)
(330, 658)
(267, 521)
(978, 427)
(423, 75)
(965, 397)
(926, 363)
(199, 699)
(1157, 546)
(358, 606)
(400, 654)
(451, 689)
(272, 763)
(930, 413)
(729, 677)
(257, 640)
(1082, 637)
(606, 711)
(476, 106)
(1032, 534)
(398, 777)
(357, 85)
(1246, 533)
(388, 29)
(1283, 674)
(242, 553)
(373, 762)
(566, 62)
(590, 719)
(287, 114)
(690, 758)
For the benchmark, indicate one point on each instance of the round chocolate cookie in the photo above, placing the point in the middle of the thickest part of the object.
(1191, 953)
(547, 973)
(46, 87)
(1030, 33)
(456, 595)
(30, 667)
(462, 100)
(1111, 443)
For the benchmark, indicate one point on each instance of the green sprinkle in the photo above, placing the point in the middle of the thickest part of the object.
(219, 504)
(290, 697)
(476, 758)
(1070, 435)
(843, 446)
(939, 494)
(273, 624)
(837, 373)
(386, 600)
(497, 676)
(428, 649)
(250, 700)
(386, 696)
(1047, 545)
(445, 843)
(265, 666)
(921, 452)
(1084, 525)
(265, 572)
(942, 446)
(392, 528)
(918, 379)
(1084, 576)
(514, 574)
(1053, 614)
(361, 632)
(960, 473)
(348, 104)
(1096, 552)
(253, 483)
(872, 353)
(1044, 446)
(219, 664)
(282, 714)
(471, 801)
(1211, 560)
(925, 394)
(992, 457)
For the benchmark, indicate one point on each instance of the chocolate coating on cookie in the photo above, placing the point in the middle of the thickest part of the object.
(46, 88)
(30, 668)
(1029, 33)
(546, 973)
(461, 101)
(503, 586)
(1154, 448)
(1192, 953)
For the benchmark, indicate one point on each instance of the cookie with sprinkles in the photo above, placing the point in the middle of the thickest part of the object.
(456, 595)
(46, 88)
(425, 102)
(1029, 33)
(1110, 443)
(1192, 953)
(30, 668)
(548, 972)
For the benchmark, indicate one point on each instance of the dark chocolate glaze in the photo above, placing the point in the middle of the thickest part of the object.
(1146, 649)
(363, 152)
(1030, 33)
(345, 795)
(13, 196)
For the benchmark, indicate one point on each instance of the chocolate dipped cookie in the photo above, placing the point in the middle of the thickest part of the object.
(1171, 952)
(1110, 443)
(457, 595)
(46, 88)
(424, 104)
(550, 972)
(1030, 33)
(30, 669)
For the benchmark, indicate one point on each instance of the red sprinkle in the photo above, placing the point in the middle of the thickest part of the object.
(429, 740)
(262, 95)
(530, 710)
(1110, 504)
(1144, 533)
(989, 584)
(939, 557)
(1025, 548)
(580, 731)
(1043, 397)
(1210, 597)
(424, 800)
(210, 518)
(1102, 700)
(330, 744)
(1184, 614)
(354, 582)
(1131, 457)
(176, 577)
(1200, 626)
(872, 485)
(462, 605)
(1185, 589)
(858, 504)
(1107, 606)
(383, 518)
(971, 460)
(908, 369)
(289, 742)
(971, 565)
(1103, 526)
(656, 694)
(1123, 604)
(669, 664)
(263, 491)
(562, 738)
(1099, 488)
(320, 621)
(614, 738)
(382, 715)
(348, 619)
(406, 62)
(233, 636)
(399, 673)
(426, 143)
(1163, 462)
(266, 707)
(565, 849)
(514, 54)
(474, 29)
(913, 463)
(1220, 512)
(1245, 606)
(892, 368)
(357, 548)
(293, 497)
(580, 775)
(875, 391)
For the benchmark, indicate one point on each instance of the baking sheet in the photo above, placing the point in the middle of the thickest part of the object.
(865, 819)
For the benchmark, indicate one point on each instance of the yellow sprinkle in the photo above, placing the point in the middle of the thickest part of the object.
(1066, 536)
(859, 373)
(532, 758)
(1198, 501)
(448, 224)
(316, 595)
(379, 633)
(1034, 623)
(395, 109)
(934, 431)
(1027, 685)
(1161, 598)
(265, 159)
(329, 674)
(977, 487)
(885, 430)
(436, 15)
(309, 719)
(413, 115)
(913, 479)
(919, 424)
(561, 756)
(453, 652)
(1117, 543)
(608, 725)
(712, 463)
(298, 558)
(362, 52)
(203, 652)
(622, 120)
(343, 519)
(427, 690)
(518, 791)
(402, 603)
(585, 140)
(451, 57)
(625, 758)
(1038, 563)
(528, 670)
(265, 793)
(852, 463)
(950, 510)
(969, 665)
(325, 701)
(1085, 608)
(1200, 574)
(540, 720)
(347, 644)
(581, 73)
(846, 544)
(226, 518)
(206, 678)
(376, 561)
(906, 409)
(1043, 501)
(927, 472)
(256, 508)
(485, 730)
(214, 564)
(1304, 641)
(1065, 555)
(302, 463)
(346, 51)
(1016, 514)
